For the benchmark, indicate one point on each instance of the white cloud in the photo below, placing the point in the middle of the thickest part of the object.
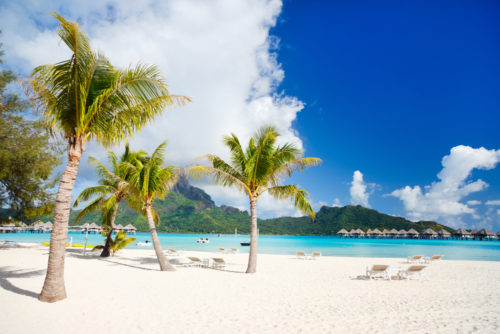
(493, 202)
(219, 53)
(336, 203)
(358, 190)
(474, 202)
(441, 200)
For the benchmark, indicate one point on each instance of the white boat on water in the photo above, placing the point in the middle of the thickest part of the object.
(144, 244)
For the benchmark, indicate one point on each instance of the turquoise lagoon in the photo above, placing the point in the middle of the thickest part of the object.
(279, 244)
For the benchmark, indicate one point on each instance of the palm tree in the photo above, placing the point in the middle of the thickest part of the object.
(150, 180)
(86, 98)
(110, 192)
(257, 170)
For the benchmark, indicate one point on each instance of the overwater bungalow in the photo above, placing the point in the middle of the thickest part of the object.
(352, 233)
(130, 229)
(85, 227)
(462, 234)
(360, 233)
(393, 233)
(376, 233)
(428, 234)
(474, 234)
(343, 233)
(118, 228)
(368, 233)
(443, 234)
(498, 235)
(485, 234)
(412, 233)
(402, 233)
(48, 226)
(94, 228)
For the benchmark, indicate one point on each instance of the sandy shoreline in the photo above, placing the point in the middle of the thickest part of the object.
(127, 294)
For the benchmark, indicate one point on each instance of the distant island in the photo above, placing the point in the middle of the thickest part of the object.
(188, 209)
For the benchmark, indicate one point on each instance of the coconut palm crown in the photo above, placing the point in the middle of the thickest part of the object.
(85, 98)
(112, 189)
(257, 170)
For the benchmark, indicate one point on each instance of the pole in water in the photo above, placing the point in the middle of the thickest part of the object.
(235, 232)
(86, 236)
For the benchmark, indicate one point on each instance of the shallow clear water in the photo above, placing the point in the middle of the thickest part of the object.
(333, 246)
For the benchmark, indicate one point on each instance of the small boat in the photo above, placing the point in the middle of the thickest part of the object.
(144, 244)
(245, 243)
(203, 241)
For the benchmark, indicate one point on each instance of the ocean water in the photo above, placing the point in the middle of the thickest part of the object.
(332, 246)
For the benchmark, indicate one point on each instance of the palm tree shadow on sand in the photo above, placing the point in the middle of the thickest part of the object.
(8, 272)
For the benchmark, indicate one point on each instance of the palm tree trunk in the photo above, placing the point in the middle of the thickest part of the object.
(252, 257)
(53, 287)
(105, 252)
(162, 259)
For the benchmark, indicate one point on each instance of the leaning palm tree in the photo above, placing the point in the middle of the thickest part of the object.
(257, 170)
(86, 98)
(109, 193)
(150, 180)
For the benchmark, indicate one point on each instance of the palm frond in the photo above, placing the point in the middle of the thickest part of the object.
(295, 194)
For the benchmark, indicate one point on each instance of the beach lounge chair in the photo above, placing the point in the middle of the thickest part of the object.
(301, 255)
(412, 271)
(218, 263)
(172, 252)
(315, 255)
(222, 250)
(195, 261)
(433, 258)
(416, 259)
(377, 270)
(234, 250)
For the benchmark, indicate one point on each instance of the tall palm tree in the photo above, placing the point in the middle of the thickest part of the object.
(150, 180)
(257, 170)
(110, 192)
(85, 98)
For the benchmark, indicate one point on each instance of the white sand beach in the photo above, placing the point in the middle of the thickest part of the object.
(128, 294)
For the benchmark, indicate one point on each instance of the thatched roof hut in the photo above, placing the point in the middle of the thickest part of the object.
(360, 232)
(369, 232)
(376, 232)
(343, 233)
(443, 233)
(461, 233)
(486, 234)
(118, 227)
(386, 232)
(393, 232)
(412, 233)
(402, 233)
(130, 228)
(428, 233)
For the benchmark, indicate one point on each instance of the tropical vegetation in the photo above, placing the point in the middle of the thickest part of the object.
(149, 180)
(258, 170)
(119, 242)
(86, 98)
(112, 189)
(27, 156)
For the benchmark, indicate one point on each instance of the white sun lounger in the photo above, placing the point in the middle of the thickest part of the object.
(416, 271)
(301, 255)
(378, 270)
(218, 263)
(315, 255)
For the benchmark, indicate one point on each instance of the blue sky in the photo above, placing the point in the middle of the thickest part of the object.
(390, 87)
(381, 91)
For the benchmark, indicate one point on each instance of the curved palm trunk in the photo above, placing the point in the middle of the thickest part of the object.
(252, 257)
(106, 252)
(162, 259)
(53, 287)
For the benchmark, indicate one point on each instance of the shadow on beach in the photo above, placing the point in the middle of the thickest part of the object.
(6, 273)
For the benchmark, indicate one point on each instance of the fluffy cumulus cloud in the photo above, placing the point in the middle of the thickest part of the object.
(443, 199)
(219, 53)
(493, 202)
(474, 202)
(359, 190)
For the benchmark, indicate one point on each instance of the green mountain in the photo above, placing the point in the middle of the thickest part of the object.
(188, 209)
